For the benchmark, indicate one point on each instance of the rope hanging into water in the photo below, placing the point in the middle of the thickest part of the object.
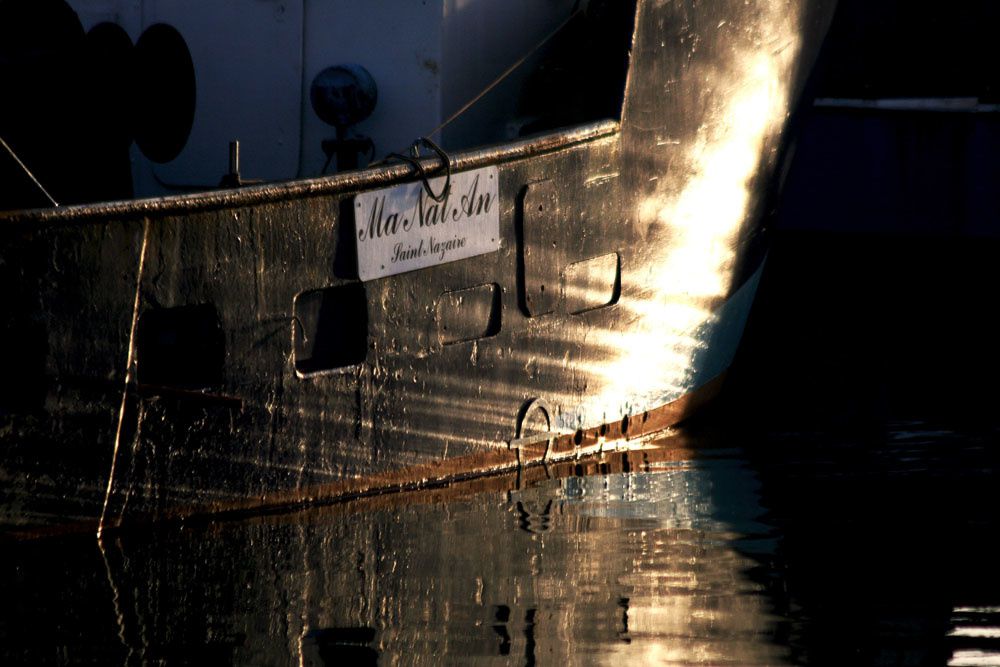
(130, 370)
(28, 172)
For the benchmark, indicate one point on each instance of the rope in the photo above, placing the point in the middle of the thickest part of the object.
(414, 158)
(507, 72)
(129, 373)
(28, 172)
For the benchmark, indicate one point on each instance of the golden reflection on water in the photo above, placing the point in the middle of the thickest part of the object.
(635, 568)
(643, 563)
(670, 559)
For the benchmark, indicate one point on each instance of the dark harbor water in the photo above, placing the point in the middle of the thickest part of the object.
(866, 546)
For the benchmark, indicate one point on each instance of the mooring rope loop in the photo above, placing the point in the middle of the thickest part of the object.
(414, 160)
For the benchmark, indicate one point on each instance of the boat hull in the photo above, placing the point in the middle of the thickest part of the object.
(171, 356)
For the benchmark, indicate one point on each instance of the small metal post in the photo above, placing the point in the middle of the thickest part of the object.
(232, 179)
(234, 160)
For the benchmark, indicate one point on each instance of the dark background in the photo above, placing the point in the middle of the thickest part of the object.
(866, 389)
(879, 299)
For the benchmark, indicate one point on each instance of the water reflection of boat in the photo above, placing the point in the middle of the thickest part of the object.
(478, 575)
(293, 340)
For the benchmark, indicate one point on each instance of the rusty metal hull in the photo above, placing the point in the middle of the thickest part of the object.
(107, 417)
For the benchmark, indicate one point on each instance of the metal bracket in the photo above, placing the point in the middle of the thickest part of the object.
(518, 443)
(548, 436)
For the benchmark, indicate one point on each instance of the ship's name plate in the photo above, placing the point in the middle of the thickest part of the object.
(402, 228)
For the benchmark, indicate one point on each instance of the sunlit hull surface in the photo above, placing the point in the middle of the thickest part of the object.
(645, 233)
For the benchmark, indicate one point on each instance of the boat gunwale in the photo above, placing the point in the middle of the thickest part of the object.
(349, 181)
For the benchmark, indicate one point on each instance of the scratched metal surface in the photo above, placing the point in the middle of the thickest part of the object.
(676, 193)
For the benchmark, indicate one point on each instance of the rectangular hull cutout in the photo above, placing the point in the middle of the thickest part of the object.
(181, 347)
(469, 314)
(330, 328)
(592, 283)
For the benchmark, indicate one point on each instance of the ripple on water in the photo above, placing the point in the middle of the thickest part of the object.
(779, 549)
